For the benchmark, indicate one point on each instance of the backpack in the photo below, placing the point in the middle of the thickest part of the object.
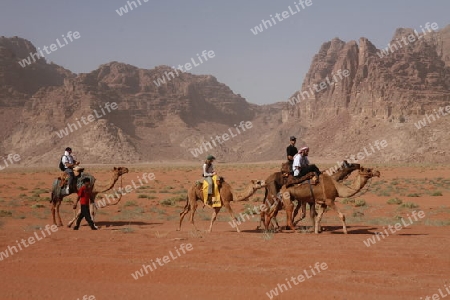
(62, 167)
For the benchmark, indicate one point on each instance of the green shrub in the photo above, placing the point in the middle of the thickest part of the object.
(5, 213)
(348, 201)
(413, 195)
(437, 193)
(360, 202)
(394, 201)
(409, 205)
(37, 205)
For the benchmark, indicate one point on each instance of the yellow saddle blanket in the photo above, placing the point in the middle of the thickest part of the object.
(216, 202)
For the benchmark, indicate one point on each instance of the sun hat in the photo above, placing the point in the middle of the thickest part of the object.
(210, 157)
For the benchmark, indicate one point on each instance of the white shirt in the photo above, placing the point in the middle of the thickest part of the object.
(296, 164)
(67, 158)
(208, 170)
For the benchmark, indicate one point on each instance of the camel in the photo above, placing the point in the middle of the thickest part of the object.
(276, 180)
(56, 195)
(325, 194)
(195, 193)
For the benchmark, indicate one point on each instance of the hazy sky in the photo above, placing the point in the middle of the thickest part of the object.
(263, 68)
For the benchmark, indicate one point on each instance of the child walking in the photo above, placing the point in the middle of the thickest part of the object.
(84, 196)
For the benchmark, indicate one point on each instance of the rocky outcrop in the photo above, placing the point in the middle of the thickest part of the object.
(352, 96)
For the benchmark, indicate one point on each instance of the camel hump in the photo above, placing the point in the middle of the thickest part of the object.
(82, 176)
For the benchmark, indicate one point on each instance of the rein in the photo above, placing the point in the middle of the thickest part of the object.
(120, 198)
(369, 182)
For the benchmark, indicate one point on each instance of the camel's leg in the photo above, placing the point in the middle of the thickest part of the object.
(261, 220)
(333, 206)
(187, 208)
(54, 212)
(58, 204)
(289, 207)
(92, 210)
(193, 209)
(230, 211)
(214, 217)
(317, 228)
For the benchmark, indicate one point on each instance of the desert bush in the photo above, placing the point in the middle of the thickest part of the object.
(409, 205)
(37, 205)
(395, 200)
(413, 195)
(5, 213)
(130, 203)
(437, 193)
(360, 202)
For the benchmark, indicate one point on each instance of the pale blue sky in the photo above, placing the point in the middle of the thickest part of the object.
(263, 68)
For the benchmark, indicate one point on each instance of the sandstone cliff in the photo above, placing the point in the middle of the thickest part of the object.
(381, 98)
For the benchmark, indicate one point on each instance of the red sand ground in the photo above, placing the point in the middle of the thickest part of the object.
(224, 264)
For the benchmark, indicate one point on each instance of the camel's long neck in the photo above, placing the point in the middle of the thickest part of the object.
(101, 188)
(357, 184)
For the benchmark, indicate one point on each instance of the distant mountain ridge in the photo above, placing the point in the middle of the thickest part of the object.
(381, 98)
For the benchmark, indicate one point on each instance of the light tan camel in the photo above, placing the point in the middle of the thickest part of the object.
(276, 180)
(226, 195)
(325, 194)
(57, 196)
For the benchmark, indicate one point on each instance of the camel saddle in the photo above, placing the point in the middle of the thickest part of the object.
(215, 197)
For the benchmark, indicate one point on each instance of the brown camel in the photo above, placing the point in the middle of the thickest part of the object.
(325, 194)
(275, 181)
(57, 196)
(226, 195)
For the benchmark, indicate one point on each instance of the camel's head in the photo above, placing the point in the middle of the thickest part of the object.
(257, 184)
(120, 171)
(368, 172)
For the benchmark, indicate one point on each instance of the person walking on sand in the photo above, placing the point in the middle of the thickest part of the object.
(84, 196)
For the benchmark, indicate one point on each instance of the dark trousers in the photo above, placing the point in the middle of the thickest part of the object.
(85, 213)
(311, 168)
(71, 177)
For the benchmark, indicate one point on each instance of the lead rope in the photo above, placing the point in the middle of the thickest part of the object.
(120, 198)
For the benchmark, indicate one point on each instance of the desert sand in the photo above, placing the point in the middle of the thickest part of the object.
(66, 264)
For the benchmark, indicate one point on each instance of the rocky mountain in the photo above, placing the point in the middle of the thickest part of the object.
(387, 91)
(353, 95)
